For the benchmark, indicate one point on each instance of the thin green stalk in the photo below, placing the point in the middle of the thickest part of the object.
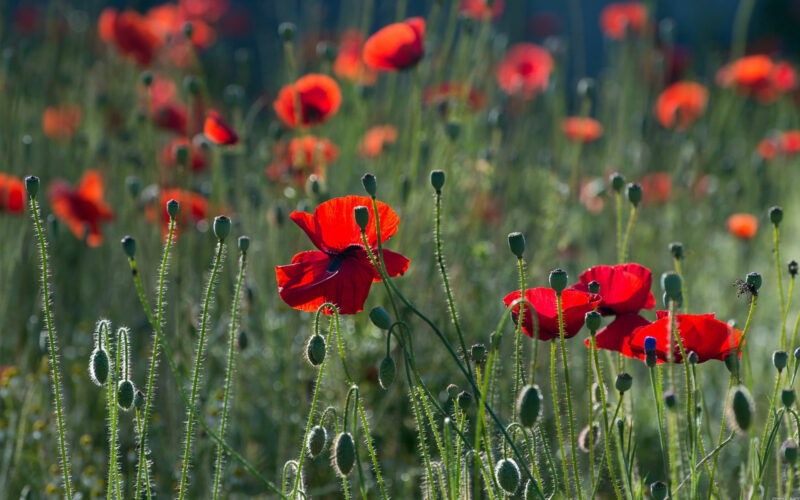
(606, 423)
(618, 199)
(780, 285)
(683, 285)
(558, 416)
(661, 435)
(721, 434)
(569, 395)
(519, 376)
(111, 385)
(628, 231)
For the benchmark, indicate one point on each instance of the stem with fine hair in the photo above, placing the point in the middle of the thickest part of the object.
(628, 231)
(780, 284)
(563, 344)
(618, 199)
(519, 376)
(606, 424)
(558, 415)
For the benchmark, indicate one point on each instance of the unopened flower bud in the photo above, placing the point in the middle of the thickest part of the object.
(32, 185)
(99, 366)
(477, 352)
(370, 184)
(787, 397)
(316, 441)
(244, 244)
(589, 437)
(693, 358)
(242, 340)
(776, 215)
(789, 452)
(670, 399)
(558, 280)
(793, 268)
(344, 454)
(732, 364)
(741, 406)
(452, 391)
(464, 400)
(617, 182)
(222, 227)
(658, 490)
(593, 321)
(380, 318)
(593, 287)
(125, 394)
(671, 283)
(437, 180)
(173, 207)
(634, 193)
(623, 382)
(361, 214)
(138, 400)
(529, 405)
(516, 242)
(779, 360)
(676, 249)
(129, 246)
(753, 280)
(286, 31)
(315, 349)
(386, 372)
(507, 474)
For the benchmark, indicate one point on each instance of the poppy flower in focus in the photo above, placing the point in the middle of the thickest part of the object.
(197, 158)
(348, 64)
(218, 131)
(680, 104)
(702, 334)
(12, 194)
(656, 187)
(525, 70)
(481, 9)
(396, 46)
(340, 270)
(193, 209)
(616, 335)
(743, 226)
(575, 304)
(60, 123)
(619, 19)
(131, 34)
(624, 288)
(441, 95)
(376, 139)
(83, 208)
(581, 129)
(758, 76)
(319, 97)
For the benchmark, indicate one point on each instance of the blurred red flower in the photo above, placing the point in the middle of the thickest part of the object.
(442, 94)
(340, 272)
(197, 158)
(83, 208)
(302, 157)
(61, 122)
(624, 288)
(619, 19)
(376, 139)
(193, 209)
(12, 194)
(208, 10)
(348, 64)
(581, 129)
(743, 226)
(758, 76)
(396, 46)
(575, 305)
(319, 98)
(525, 70)
(656, 187)
(131, 34)
(218, 131)
(481, 9)
(680, 104)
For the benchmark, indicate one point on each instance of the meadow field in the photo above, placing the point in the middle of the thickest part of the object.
(444, 249)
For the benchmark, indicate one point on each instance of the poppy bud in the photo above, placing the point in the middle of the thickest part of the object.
(586, 88)
(129, 246)
(370, 184)
(125, 394)
(617, 182)
(182, 154)
(147, 78)
(651, 359)
(222, 227)
(437, 180)
(671, 284)
(286, 31)
(452, 391)
(776, 215)
(452, 129)
(529, 405)
(634, 193)
(787, 397)
(676, 249)
(98, 367)
(732, 364)
(188, 29)
(386, 372)
(326, 51)
(789, 452)
(234, 94)
(313, 186)
(242, 340)
(507, 474)
(362, 217)
(315, 350)
(138, 400)
(779, 360)
(380, 318)
(344, 453)
(558, 280)
(623, 382)
(477, 352)
(658, 490)
(753, 280)
(741, 406)
(134, 185)
(797, 354)
(32, 185)
(530, 489)
(192, 84)
(589, 437)
(621, 428)
(244, 244)
(516, 242)
(594, 287)
(593, 321)
(464, 400)
(316, 441)
(670, 399)
(649, 344)
(670, 300)
(597, 392)
(693, 358)
(793, 267)
(173, 207)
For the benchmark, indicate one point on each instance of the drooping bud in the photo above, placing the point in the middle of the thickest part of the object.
(617, 182)
(315, 350)
(558, 280)
(370, 184)
(173, 207)
(589, 437)
(316, 441)
(776, 215)
(380, 318)
(125, 394)
(344, 454)
(651, 359)
(99, 367)
(386, 372)
(222, 227)
(593, 321)
(464, 400)
(507, 474)
(32, 185)
(530, 489)
(787, 397)
(437, 180)
(779, 360)
(452, 391)
(129, 246)
(658, 490)
(593, 287)
(676, 249)
(516, 242)
(789, 452)
(623, 382)
(742, 409)
(361, 214)
(634, 193)
(138, 400)
(529, 405)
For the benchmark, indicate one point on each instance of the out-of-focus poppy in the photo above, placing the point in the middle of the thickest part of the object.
(581, 129)
(525, 70)
(442, 94)
(340, 272)
(544, 24)
(61, 122)
(168, 21)
(131, 33)
(758, 76)
(590, 195)
(12, 194)
(196, 160)
(619, 19)
(27, 19)
(194, 208)
(396, 46)
(574, 303)
(656, 187)
(218, 131)
(624, 288)
(481, 9)
(105, 24)
(83, 209)
(348, 64)
(743, 226)
(782, 143)
(302, 157)
(768, 148)
(376, 139)
(319, 98)
(790, 142)
(171, 116)
(680, 104)
(208, 10)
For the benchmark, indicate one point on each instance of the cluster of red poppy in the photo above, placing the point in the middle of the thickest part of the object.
(617, 20)
(82, 208)
(61, 122)
(302, 157)
(758, 76)
(784, 144)
(12, 194)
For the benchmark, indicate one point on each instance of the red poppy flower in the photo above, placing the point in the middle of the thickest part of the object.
(171, 116)
(619, 19)
(616, 335)
(758, 76)
(194, 208)
(624, 288)
(319, 98)
(574, 303)
(167, 22)
(208, 10)
(105, 24)
(702, 334)
(396, 46)
(525, 70)
(376, 139)
(197, 158)
(680, 104)
(218, 131)
(83, 208)
(591, 195)
(12, 194)
(302, 157)
(27, 19)
(581, 129)
(481, 9)
(768, 148)
(743, 226)
(790, 142)
(656, 187)
(348, 64)
(60, 123)
(442, 94)
(132, 35)
(341, 271)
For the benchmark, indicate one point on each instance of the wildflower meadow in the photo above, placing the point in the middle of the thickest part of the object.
(426, 249)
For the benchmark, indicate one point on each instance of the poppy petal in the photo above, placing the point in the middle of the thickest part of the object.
(218, 131)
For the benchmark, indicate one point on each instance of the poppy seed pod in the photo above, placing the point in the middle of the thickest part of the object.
(452, 391)
(741, 406)
(789, 452)
(344, 453)
(477, 352)
(244, 243)
(370, 184)
(464, 400)
(316, 441)
(125, 394)
(516, 242)
(138, 400)
(779, 360)
(593, 321)
(670, 399)
(437, 180)
(222, 227)
(98, 367)
(658, 490)
(32, 185)
(617, 182)
(129, 246)
(753, 280)
(793, 268)
(693, 358)
(380, 318)
(286, 31)
(593, 287)
(676, 249)
(173, 207)
(507, 474)
(671, 284)
(146, 78)
(776, 215)
(529, 405)
(634, 193)
(386, 372)
(787, 397)
(558, 280)
(623, 382)
(315, 350)
(361, 214)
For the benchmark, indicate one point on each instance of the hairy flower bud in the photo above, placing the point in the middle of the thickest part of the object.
(315, 349)
(593, 320)
(222, 227)
(344, 454)
(634, 193)
(507, 474)
(129, 246)
(32, 185)
(387, 372)
(558, 280)
(370, 184)
(742, 409)
(99, 367)
(316, 441)
(437, 180)
(125, 394)
(380, 318)
(776, 215)
(173, 207)
(361, 214)
(529, 405)
(516, 242)
(623, 382)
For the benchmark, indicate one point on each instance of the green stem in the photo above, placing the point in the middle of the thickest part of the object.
(606, 423)
(618, 199)
(628, 231)
(569, 395)
(721, 434)
(662, 440)
(558, 416)
(519, 376)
